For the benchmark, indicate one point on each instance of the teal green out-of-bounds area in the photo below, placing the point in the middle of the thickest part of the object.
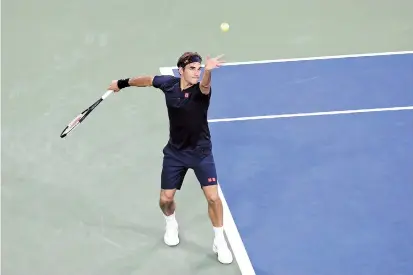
(88, 204)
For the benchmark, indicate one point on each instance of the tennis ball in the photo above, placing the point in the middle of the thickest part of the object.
(224, 27)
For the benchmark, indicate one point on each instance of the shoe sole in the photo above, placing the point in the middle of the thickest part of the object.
(171, 244)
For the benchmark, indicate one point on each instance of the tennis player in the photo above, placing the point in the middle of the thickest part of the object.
(189, 146)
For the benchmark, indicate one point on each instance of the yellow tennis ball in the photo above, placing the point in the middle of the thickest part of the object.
(224, 27)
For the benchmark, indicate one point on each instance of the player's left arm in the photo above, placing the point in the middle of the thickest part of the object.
(205, 85)
(210, 64)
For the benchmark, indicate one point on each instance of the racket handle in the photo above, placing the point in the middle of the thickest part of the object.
(107, 94)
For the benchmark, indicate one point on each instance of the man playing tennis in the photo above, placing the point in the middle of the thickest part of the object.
(189, 145)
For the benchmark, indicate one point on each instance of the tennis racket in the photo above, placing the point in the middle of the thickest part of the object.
(82, 116)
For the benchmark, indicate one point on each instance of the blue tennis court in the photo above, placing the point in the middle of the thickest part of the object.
(315, 160)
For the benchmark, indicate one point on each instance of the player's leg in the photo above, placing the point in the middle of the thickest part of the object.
(215, 210)
(172, 177)
(206, 174)
(167, 202)
(171, 180)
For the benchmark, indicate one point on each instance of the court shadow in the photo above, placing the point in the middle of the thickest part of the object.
(189, 257)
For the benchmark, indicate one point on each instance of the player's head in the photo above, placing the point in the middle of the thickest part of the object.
(189, 66)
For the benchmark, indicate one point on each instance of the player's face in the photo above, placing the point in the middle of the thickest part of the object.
(192, 72)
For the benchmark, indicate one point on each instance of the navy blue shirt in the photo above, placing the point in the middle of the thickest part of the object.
(187, 112)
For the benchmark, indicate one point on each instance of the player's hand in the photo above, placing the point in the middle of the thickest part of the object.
(212, 63)
(114, 86)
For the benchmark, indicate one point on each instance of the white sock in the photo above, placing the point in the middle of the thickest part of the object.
(170, 218)
(219, 234)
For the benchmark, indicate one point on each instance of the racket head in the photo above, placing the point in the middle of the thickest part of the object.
(74, 123)
(78, 119)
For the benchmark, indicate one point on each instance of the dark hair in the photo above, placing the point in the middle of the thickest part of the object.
(188, 57)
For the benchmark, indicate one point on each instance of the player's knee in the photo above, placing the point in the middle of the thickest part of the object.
(213, 198)
(167, 196)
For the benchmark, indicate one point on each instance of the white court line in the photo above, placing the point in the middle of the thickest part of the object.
(231, 230)
(234, 239)
(169, 69)
(313, 114)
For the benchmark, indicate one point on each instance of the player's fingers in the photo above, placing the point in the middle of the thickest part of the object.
(113, 87)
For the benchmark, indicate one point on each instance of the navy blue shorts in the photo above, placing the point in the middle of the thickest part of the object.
(177, 162)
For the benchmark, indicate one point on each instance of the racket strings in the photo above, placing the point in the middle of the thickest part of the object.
(75, 121)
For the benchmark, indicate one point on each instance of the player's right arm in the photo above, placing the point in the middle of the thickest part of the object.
(140, 81)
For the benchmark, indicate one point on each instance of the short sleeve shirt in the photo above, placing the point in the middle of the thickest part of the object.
(187, 112)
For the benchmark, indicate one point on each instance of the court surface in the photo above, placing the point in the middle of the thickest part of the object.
(311, 190)
(315, 162)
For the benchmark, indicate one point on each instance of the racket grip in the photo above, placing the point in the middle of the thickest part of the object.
(107, 94)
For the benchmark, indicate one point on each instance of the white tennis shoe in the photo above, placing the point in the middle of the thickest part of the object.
(224, 253)
(171, 237)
